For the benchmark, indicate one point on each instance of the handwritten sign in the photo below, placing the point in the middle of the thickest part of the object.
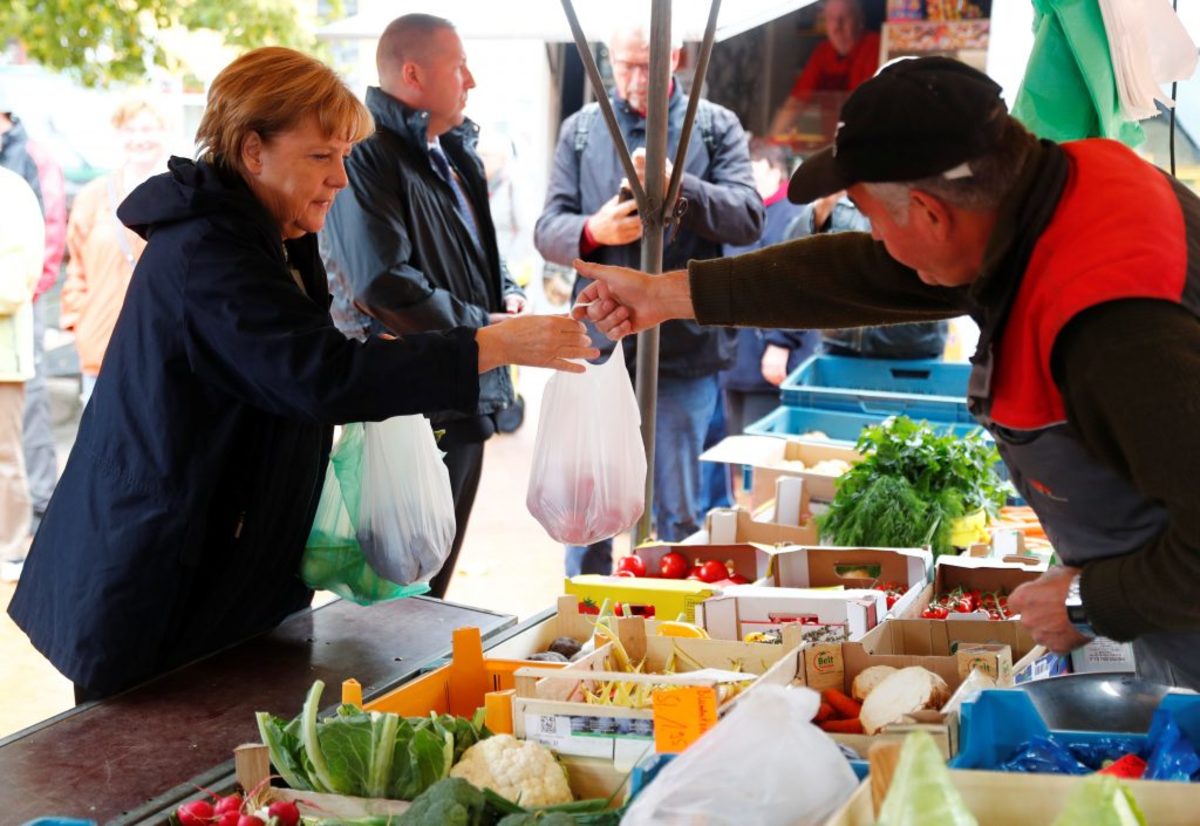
(681, 715)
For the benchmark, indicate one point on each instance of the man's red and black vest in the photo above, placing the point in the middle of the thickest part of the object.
(1118, 232)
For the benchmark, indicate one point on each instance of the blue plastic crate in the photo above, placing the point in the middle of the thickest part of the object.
(919, 389)
(999, 721)
(839, 426)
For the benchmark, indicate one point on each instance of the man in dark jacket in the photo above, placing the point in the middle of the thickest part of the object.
(919, 340)
(584, 218)
(765, 357)
(410, 246)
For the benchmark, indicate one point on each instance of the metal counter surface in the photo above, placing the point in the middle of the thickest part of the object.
(126, 757)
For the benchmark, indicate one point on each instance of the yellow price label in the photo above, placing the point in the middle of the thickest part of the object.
(681, 715)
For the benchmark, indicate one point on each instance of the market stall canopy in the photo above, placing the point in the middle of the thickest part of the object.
(544, 19)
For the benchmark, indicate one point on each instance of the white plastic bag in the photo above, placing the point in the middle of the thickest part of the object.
(765, 763)
(1149, 47)
(588, 477)
(406, 517)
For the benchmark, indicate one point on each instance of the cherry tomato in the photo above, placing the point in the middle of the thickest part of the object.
(634, 565)
(713, 571)
(674, 565)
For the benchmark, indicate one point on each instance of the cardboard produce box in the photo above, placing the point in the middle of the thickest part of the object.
(548, 708)
(771, 457)
(828, 590)
(937, 645)
(821, 616)
(752, 562)
(967, 573)
(931, 644)
(733, 526)
(670, 598)
(820, 566)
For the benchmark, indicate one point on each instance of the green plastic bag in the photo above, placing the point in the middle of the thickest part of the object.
(1069, 90)
(333, 560)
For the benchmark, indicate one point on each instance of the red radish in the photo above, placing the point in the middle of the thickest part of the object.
(250, 820)
(635, 565)
(287, 812)
(629, 574)
(228, 819)
(738, 579)
(196, 813)
(225, 805)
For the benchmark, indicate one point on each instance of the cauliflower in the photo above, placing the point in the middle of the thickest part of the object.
(522, 771)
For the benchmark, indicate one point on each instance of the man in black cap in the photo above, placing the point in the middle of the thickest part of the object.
(1081, 264)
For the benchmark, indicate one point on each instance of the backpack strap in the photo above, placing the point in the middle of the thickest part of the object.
(583, 126)
(589, 114)
(704, 121)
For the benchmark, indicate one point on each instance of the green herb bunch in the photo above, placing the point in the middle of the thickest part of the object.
(911, 485)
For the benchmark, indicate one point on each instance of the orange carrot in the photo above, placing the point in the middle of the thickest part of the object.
(843, 705)
(853, 726)
(825, 712)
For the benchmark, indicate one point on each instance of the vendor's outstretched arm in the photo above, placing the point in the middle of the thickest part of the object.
(843, 280)
(620, 301)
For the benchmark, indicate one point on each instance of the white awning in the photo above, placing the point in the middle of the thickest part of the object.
(546, 20)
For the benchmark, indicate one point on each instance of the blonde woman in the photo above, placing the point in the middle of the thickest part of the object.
(103, 252)
(181, 517)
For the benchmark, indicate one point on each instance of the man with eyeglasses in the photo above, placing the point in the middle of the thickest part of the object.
(586, 217)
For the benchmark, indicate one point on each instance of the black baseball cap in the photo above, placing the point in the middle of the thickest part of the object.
(916, 118)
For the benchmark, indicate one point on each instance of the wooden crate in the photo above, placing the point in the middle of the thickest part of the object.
(1004, 799)
(588, 778)
(543, 709)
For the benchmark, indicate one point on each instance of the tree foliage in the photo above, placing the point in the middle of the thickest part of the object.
(115, 40)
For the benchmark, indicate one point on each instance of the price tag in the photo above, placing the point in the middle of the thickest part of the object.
(681, 715)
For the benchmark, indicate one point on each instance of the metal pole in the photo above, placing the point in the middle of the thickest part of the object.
(685, 134)
(655, 209)
(653, 223)
(610, 118)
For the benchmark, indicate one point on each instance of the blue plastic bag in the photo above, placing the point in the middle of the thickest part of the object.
(1172, 755)
(1042, 755)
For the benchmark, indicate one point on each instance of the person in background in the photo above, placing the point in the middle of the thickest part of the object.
(412, 245)
(21, 253)
(848, 56)
(181, 518)
(584, 217)
(1087, 372)
(14, 145)
(41, 462)
(765, 357)
(919, 340)
(103, 250)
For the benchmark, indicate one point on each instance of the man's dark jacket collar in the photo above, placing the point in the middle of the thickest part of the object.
(413, 124)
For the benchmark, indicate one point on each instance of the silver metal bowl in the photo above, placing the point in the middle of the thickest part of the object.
(1096, 702)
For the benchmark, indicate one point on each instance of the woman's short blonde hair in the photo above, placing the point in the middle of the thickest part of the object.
(130, 108)
(269, 91)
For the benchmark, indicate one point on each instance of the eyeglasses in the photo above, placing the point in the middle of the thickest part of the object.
(628, 67)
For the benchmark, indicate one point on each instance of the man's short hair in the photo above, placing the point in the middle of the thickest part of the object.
(407, 39)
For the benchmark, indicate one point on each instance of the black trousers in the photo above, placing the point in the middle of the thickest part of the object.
(465, 463)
